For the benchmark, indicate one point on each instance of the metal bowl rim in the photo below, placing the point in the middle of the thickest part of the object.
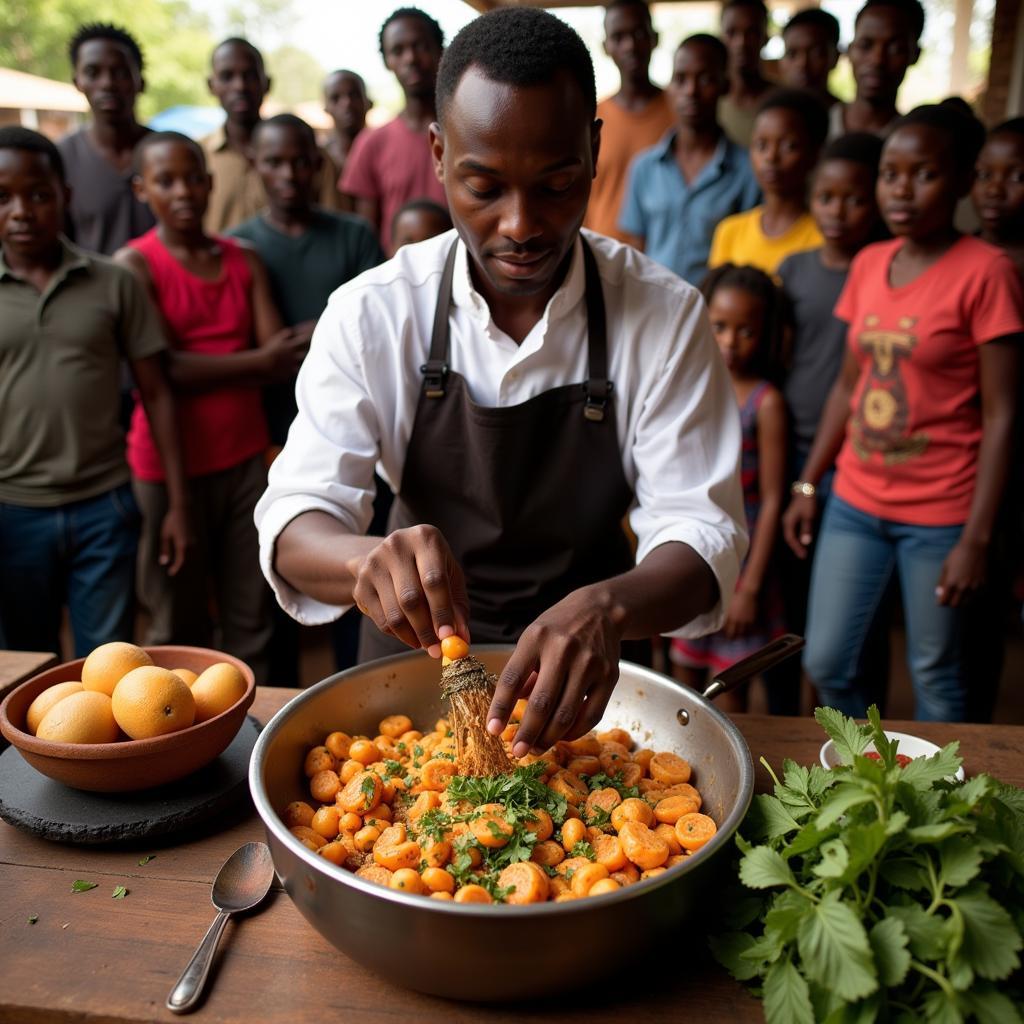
(273, 823)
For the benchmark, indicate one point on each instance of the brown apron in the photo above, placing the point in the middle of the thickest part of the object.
(530, 497)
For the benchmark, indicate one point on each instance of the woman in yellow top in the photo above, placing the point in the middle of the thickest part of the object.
(789, 131)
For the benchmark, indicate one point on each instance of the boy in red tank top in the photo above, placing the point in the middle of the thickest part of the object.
(226, 343)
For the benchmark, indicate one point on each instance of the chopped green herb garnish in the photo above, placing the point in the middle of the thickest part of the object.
(444, 756)
(143, 861)
(602, 781)
(33, 918)
(583, 849)
(79, 886)
(569, 872)
(434, 824)
(598, 817)
(393, 769)
(400, 747)
(119, 893)
(409, 782)
(417, 751)
(368, 788)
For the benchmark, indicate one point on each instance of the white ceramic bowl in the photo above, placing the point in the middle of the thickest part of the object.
(912, 746)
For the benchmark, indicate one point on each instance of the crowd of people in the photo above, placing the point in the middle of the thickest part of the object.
(159, 295)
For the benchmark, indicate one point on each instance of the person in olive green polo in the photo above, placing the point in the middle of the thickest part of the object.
(68, 521)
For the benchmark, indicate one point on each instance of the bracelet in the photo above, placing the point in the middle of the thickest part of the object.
(804, 488)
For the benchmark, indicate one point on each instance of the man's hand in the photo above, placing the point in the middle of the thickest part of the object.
(413, 589)
(175, 539)
(567, 660)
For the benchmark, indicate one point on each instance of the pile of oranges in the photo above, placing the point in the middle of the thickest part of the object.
(122, 694)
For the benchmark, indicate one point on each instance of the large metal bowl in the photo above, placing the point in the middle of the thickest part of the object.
(492, 952)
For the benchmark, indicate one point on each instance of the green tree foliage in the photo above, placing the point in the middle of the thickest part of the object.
(176, 41)
(296, 75)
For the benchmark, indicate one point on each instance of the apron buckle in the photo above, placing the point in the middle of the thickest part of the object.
(435, 376)
(598, 393)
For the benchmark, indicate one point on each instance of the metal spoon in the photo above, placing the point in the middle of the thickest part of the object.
(240, 884)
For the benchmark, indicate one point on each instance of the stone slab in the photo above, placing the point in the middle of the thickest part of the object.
(42, 807)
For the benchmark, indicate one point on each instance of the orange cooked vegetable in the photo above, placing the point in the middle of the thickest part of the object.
(528, 882)
(454, 648)
(642, 846)
(384, 809)
(669, 768)
(694, 830)
(473, 894)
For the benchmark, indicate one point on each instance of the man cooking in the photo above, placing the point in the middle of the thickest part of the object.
(565, 380)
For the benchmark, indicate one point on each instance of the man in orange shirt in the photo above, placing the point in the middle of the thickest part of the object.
(636, 117)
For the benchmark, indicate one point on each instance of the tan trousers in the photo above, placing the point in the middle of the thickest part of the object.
(218, 598)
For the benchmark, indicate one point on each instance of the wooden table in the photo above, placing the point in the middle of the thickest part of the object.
(17, 666)
(92, 958)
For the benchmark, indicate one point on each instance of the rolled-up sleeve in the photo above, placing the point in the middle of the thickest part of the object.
(686, 454)
(328, 461)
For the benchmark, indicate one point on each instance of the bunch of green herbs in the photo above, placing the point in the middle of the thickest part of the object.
(886, 893)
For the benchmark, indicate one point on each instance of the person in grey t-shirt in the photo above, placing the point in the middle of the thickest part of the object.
(844, 209)
(103, 213)
(843, 205)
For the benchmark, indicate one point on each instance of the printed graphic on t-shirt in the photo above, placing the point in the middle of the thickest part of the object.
(880, 421)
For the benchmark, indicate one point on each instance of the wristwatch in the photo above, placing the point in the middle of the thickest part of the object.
(803, 487)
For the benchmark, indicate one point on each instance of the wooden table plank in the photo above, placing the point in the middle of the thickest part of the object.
(117, 959)
(17, 666)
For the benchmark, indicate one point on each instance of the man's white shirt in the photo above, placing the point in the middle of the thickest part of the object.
(675, 412)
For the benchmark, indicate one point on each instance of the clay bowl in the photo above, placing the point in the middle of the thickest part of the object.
(127, 765)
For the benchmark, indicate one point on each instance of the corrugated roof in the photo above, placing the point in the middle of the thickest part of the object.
(20, 91)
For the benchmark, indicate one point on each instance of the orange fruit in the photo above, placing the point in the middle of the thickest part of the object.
(217, 689)
(38, 708)
(105, 667)
(186, 673)
(151, 701)
(83, 717)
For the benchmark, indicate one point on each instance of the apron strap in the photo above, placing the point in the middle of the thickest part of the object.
(435, 369)
(597, 387)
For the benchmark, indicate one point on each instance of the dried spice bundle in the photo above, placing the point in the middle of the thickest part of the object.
(468, 687)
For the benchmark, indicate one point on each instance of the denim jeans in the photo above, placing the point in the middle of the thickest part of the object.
(81, 554)
(856, 556)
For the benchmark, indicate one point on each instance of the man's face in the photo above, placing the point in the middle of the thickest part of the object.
(629, 39)
(807, 59)
(239, 82)
(346, 102)
(106, 72)
(882, 49)
(287, 162)
(744, 35)
(517, 165)
(412, 55)
(32, 201)
(698, 82)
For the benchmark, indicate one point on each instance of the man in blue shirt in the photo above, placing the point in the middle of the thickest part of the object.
(681, 188)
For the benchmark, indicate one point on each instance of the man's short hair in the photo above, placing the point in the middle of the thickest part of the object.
(816, 18)
(27, 141)
(429, 206)
(111, 33)
(757, 5)
(709, 42)
(412, 12)
(245, 45)
(911, 8)
(285, 121)
(147, 142)
(351, 74)
(520, 46)
(612, 4)
(805, 105)
(1015, 126)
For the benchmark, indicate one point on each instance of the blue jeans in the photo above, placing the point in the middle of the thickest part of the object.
(81, 554)
(855, 559)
